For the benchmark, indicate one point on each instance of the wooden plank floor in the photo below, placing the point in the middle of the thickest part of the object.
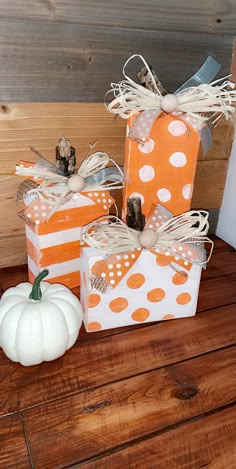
(153, 396)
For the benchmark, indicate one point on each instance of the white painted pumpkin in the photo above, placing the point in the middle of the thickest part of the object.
(38, 325)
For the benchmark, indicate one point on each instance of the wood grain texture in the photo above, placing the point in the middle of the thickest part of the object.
(11, 224)
(100, 361)
(209, 184)
(213, 294)
(222, 139)
(13, 449)
(41, 125)
(220, 245)
(158, 394)
(44, 62)
(216, 17)
(183, 447)
(221, 264)
(87, 424)
(13, 250)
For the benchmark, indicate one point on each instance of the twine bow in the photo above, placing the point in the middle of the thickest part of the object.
(201, 102)
(180, 240)
(50, 187)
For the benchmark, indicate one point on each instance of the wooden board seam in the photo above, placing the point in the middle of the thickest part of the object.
(26, 440)
(115, 381)
(151, 435)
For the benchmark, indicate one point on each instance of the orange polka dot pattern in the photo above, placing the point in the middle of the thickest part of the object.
(183, 298)
(103, 199)
(116, 267)
(180, 278)
(148, 292)
(93, 300)
(94, 326)
(162, 169)
(118, 304)
(155, 295)
(135, 281)
(140, 314)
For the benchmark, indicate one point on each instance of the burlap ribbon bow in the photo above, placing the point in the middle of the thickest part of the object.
(48, 187)
(179, 240)
(197, 101)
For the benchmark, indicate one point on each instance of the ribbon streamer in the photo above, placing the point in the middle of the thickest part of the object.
(205, 102)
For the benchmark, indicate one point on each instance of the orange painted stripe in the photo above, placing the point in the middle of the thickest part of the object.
(71, 280)
(53, 254)
(60, 253)
(71, 218)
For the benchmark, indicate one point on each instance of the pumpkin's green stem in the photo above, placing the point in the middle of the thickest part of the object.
(36, 293)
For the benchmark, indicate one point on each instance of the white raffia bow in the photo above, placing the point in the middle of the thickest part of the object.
(53, 189)
(189, 228)
(131, 98)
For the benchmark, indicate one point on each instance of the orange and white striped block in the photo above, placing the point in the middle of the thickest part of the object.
(162, 170)
(142, 288)
(55, 244)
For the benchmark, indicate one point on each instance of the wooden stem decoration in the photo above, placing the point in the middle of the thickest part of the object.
(65, 156)
(145, 80)
(135, 219)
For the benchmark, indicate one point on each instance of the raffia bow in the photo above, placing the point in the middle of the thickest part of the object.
(179, 240)
(202, 103)
(48, 185)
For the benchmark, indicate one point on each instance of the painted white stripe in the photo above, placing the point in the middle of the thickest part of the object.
(60, 237)
(33, 267)
(31, 236)
(56, 269)
(54, 239)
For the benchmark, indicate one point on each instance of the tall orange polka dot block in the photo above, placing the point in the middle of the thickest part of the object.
(142, 288)
(162, 169)
(165, 130)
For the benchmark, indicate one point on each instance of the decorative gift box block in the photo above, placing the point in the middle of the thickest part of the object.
(55, 212)
(120, 288)
(55, 244)
(165, 131)
(143, 295)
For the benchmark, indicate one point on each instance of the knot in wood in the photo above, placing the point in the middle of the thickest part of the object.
(187, 392)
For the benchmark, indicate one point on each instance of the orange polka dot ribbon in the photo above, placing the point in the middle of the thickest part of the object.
(177, 241)
(46, 189)
(194, 99)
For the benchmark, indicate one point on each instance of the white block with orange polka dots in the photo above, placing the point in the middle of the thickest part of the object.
(162, 169)
(151, 290)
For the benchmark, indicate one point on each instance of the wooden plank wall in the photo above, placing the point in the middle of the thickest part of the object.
(57, 61)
